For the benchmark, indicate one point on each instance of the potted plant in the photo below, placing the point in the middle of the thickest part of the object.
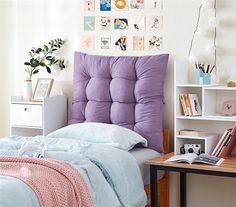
(42, 58)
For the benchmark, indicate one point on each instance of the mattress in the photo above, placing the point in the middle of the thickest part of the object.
(142, 155)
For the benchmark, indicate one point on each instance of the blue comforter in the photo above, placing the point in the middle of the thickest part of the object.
(112, 175)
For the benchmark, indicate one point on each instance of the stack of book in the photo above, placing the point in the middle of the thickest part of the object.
(190, 104)
(226, 143)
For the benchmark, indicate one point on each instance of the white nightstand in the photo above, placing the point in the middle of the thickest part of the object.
(29, 118)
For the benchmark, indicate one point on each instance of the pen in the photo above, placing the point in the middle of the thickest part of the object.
(212, 68)
(208, 66)
(202, 67)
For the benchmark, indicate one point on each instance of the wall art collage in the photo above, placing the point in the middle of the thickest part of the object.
(119, 22)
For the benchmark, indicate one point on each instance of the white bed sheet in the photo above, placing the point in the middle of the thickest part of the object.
(142, 155)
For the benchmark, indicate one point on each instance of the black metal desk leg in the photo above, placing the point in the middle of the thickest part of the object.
(183, 196)
(154, 187)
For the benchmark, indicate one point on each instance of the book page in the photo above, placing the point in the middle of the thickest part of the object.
(189, 157)
(208, 159)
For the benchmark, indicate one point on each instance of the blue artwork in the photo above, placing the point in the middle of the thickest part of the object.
(105, 5)
(120, 23)
(89, 23)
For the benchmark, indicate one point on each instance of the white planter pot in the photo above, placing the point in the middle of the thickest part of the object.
(27, 92)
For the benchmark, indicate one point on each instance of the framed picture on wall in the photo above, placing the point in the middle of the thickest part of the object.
(42, 88)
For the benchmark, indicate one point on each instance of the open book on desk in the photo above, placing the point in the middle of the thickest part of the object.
(194, 158)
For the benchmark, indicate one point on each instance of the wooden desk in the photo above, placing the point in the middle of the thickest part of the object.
(226, 169)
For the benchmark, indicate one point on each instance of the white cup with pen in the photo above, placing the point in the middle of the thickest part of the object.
(203, 74)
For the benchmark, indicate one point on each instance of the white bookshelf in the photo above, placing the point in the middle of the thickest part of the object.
(211, 98)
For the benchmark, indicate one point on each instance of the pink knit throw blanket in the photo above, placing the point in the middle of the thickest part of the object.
(56, 183)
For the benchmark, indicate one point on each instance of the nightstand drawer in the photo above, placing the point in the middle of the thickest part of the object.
(26, 115)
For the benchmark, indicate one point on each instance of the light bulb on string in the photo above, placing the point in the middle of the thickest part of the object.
(210, 49)
(208, 4)
(213, 22)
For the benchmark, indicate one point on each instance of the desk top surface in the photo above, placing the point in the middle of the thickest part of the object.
(229, 164)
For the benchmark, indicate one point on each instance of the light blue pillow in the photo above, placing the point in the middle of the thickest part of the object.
(109, 134)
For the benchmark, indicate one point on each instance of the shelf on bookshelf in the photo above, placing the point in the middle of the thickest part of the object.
(221, 88)
(189, 85)
(190, 137)
(220, 117)
(208, 117)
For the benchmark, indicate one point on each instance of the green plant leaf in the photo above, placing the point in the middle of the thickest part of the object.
(27, 63)
(52, 60)
(38, 50)
(48, 69)
(35, 71)
(31, 54)
(43, 64)
(46, 48)
(34, 62)
(49, 57)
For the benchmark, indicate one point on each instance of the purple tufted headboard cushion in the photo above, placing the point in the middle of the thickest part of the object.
(127, 91)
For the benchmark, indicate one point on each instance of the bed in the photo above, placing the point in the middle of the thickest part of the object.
(116, 115)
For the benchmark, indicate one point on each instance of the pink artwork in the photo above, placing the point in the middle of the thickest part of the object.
(155, 43)
(88, 42)
(89, 5)
(229, 107)
(137, 4)
(155, 23)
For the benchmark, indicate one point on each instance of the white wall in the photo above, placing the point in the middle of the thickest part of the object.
(27, 23)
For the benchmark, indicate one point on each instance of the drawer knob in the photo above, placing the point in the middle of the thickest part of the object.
(26, 109)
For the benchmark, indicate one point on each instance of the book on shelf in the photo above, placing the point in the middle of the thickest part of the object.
(194, 104)
(192, 133)
(226, 143)
(187, 104)
(194, 158)
(184, 107)
(190, 104)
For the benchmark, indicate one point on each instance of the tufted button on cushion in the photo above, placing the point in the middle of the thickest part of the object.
(126, 91)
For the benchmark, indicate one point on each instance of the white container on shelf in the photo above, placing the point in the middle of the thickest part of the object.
(27, 90)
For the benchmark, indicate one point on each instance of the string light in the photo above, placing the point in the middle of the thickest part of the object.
(213, 22)
(196, 28)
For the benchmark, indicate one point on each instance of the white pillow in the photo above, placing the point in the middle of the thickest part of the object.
(110, 134)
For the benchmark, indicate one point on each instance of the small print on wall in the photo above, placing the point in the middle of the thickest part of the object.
(105, 23)
(105, 42)
(121, 43)
(155, 23)
(138, 43)
(105, 5)
(121, 4)
(89, 23)
(121, 23)
(89, 5)
(138, 23)
(137, 4)
(155, 4)
(88, 42)
(155, 43)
